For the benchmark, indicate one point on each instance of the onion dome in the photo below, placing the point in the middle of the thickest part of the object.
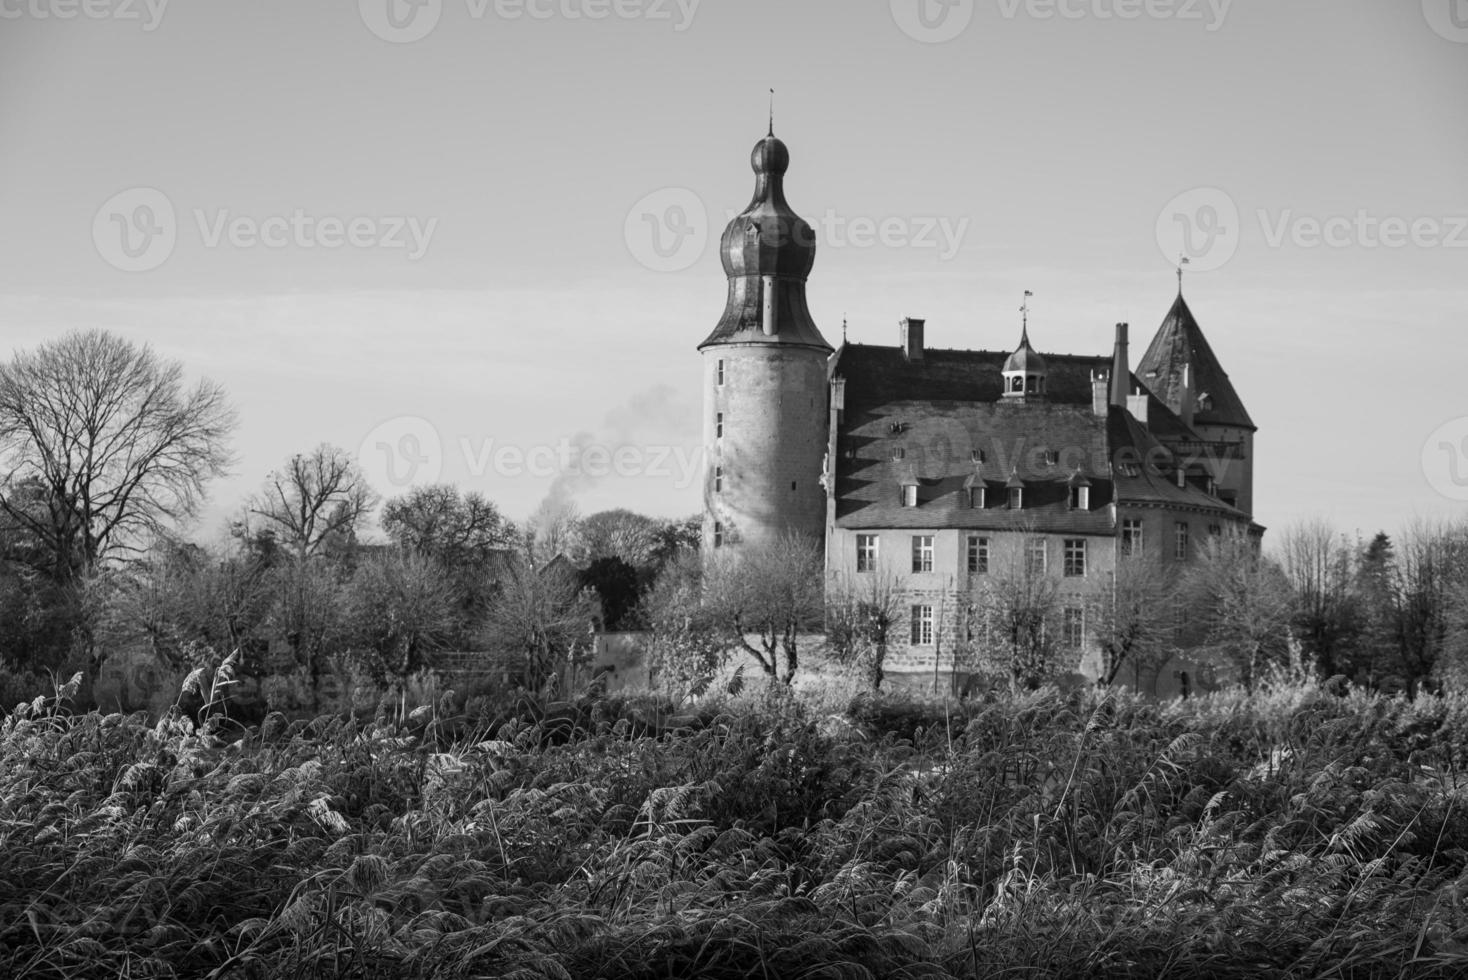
(768, 251)
(768, 238)
(1024, 370)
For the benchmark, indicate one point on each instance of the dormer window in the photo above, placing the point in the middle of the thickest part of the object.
(1080, 497)
(976, 498)
(909, 495)
(899, 453)
(977, 455)
(1016, 498)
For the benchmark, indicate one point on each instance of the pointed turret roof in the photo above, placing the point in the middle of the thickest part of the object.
(1179, 355)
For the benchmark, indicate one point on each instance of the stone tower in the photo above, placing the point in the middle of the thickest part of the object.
(764, 375)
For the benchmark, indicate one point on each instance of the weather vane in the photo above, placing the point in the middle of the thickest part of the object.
(1025, 313)
(1182, 260)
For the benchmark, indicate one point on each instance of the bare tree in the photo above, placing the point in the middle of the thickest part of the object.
(1328, 615)
(1018, 605)
(540, 615)
(1241, 602)
(114, 446)
(1132, 621)
(861, 613)
(687, 644)
(315, 502)
(401, 608)
(456, 529)
(772, 591)
(1429, 576)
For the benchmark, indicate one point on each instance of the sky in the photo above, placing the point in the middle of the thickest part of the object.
(475, 241)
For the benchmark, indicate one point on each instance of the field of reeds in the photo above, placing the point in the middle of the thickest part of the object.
(1291, 833)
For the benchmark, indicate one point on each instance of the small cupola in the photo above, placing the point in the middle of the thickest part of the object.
(1024, 370)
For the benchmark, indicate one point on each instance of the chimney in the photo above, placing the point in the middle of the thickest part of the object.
(1137, 405)
(1100, 392)
(911, 339)
(1121, 374)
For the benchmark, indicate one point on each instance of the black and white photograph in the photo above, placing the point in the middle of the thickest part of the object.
(658, 489)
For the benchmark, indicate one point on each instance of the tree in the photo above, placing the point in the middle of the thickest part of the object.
(314, 504)
(455, 529)
(308, 609)
(1018, 606)
(861, 613)
(771, 591)
(1431, 570)
(1241, 602)
(619, 589)
(465, 537)
(1132, 618)
(109, 443)
(401, 608)
(623, 534)
(540, 615)
(1375, 585)
(1327, 612)
(687, 644)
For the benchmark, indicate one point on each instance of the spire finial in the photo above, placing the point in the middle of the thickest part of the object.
(1024, 333)
(772, 112)
(1182, 260)
(843, 328)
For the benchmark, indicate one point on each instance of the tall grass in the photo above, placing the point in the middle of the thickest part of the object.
(1286, 834)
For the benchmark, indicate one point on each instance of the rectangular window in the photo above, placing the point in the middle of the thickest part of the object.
(976, 498)
(922, 626)
(719, 373)
(1180, 541)
(1016, 498)
(1131, 536)
(718, 479)
(1035, 556)
(718, 535)
(978, 555)
(1075, 557)
(922, 552)
(1214, 530)
(909, 495)
(866, 552)
(719, 426)
(1075, 628)
(1080, 498)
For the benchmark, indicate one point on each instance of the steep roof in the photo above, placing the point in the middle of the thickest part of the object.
(1179, 345)
(947, 416)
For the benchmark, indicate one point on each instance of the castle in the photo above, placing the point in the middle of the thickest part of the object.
(939, 467)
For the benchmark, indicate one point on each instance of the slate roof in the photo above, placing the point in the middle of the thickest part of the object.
(1180, 343)
(944, 419)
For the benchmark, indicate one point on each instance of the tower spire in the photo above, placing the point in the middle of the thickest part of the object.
(772, 112)
(1024, 330)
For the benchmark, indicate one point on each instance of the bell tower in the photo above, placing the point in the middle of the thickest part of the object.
(764, 374)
